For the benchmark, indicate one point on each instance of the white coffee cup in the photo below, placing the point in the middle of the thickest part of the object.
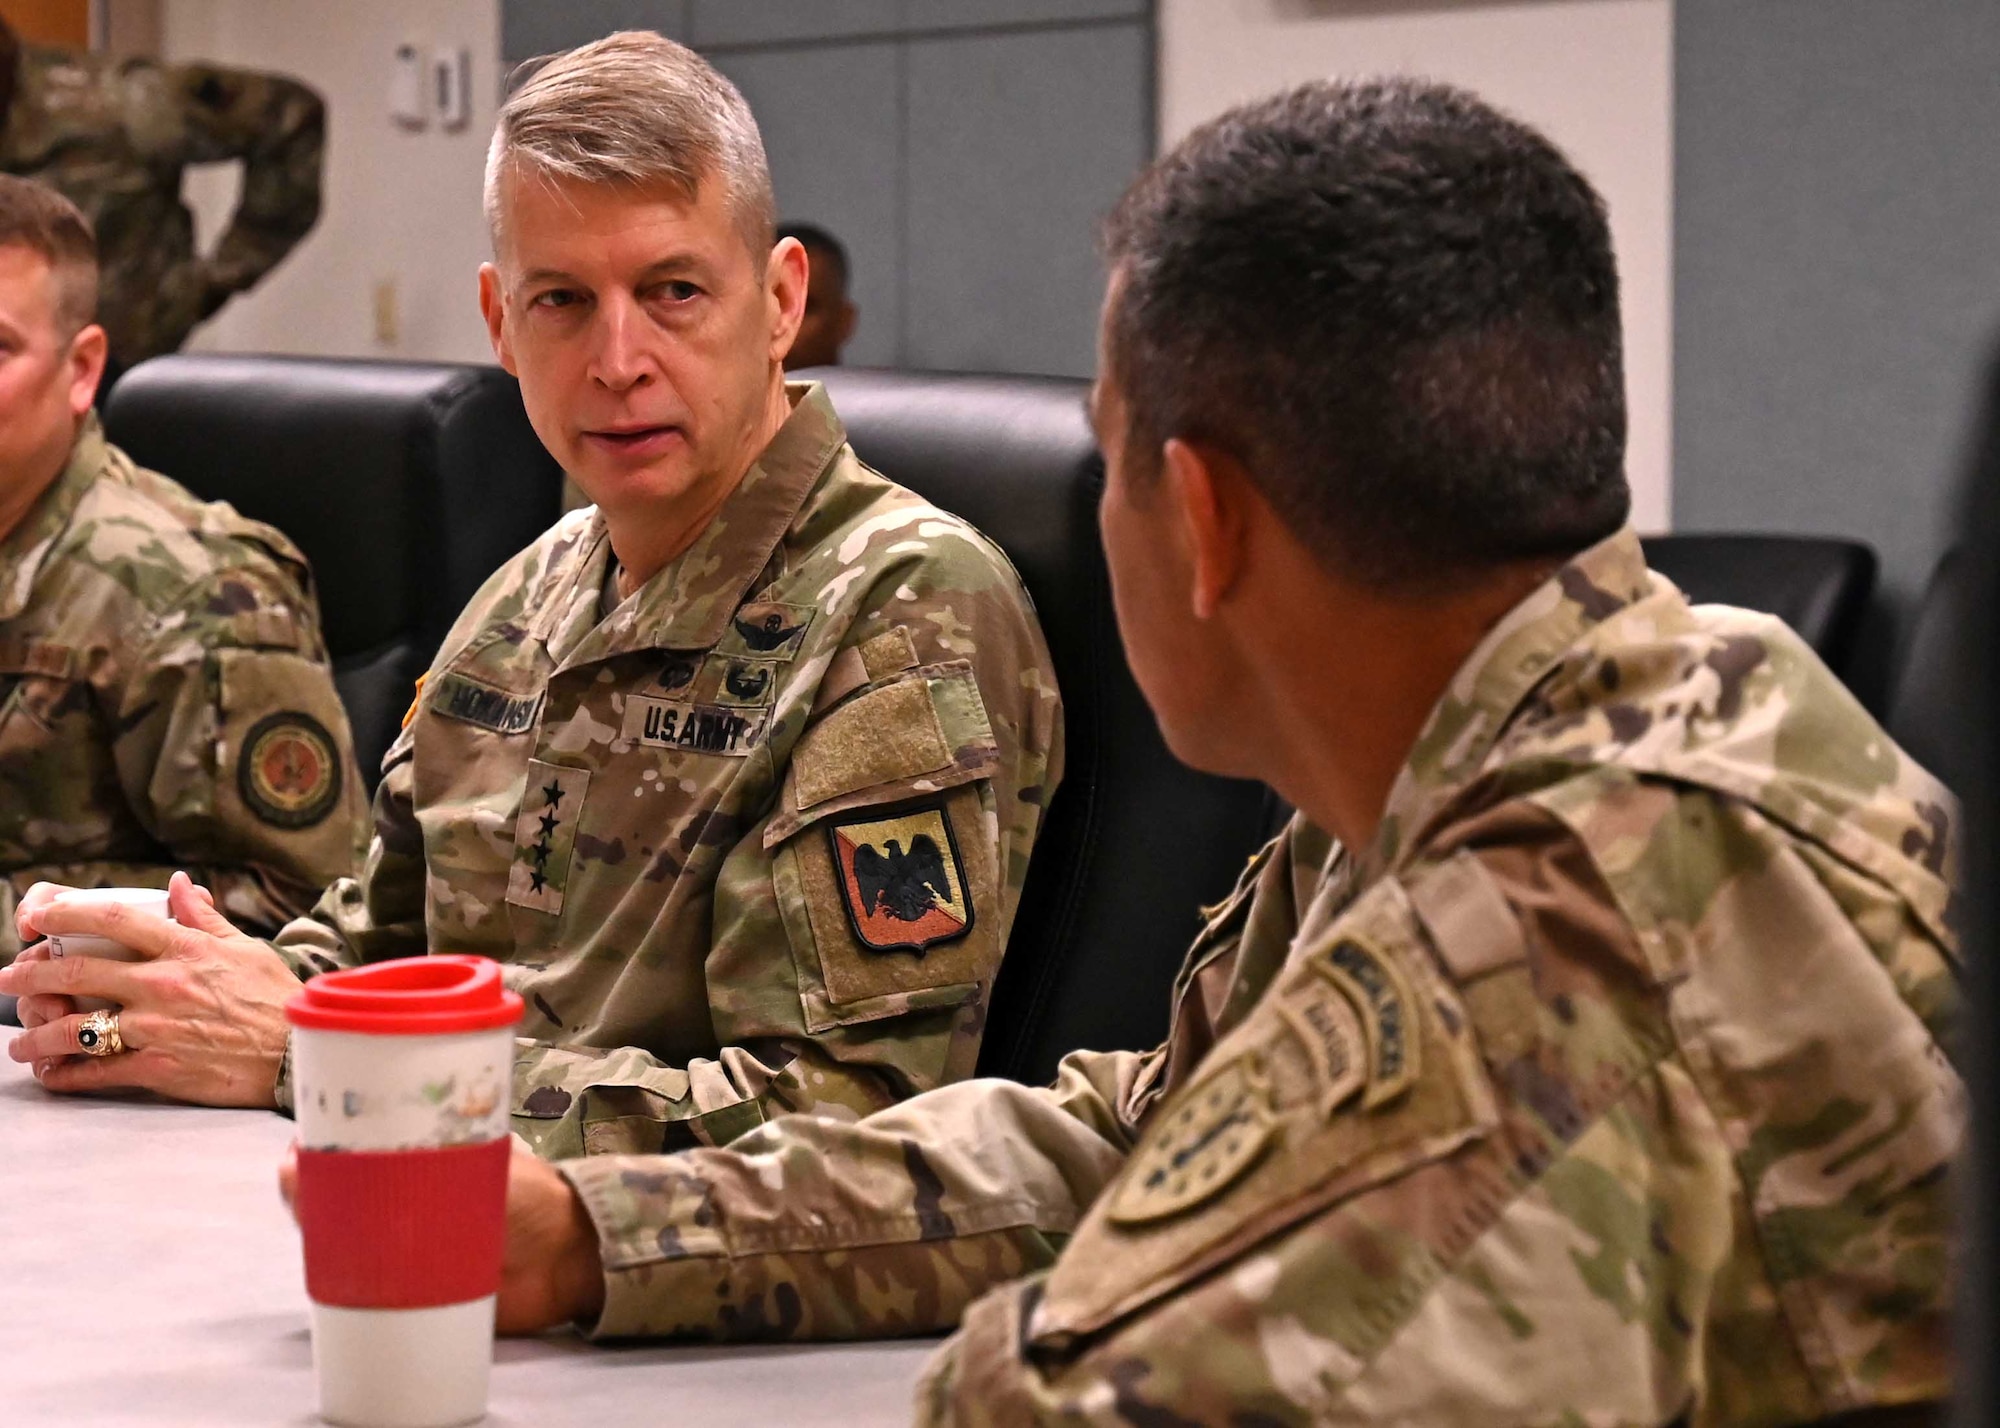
(402, 1072)
(75, 944)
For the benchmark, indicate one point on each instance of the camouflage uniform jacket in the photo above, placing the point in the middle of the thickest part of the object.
(165, 700)
(749, 843)
(113, 135)
(1604, 1087)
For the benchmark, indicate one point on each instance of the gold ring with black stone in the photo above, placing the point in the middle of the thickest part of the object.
(99, 1036)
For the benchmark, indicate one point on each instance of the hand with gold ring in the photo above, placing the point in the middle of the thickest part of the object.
(98, 1034)
(200, 1015)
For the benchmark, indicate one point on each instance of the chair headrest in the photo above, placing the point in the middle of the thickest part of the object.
(1013, 455)
(381, 472)
(1819, 585)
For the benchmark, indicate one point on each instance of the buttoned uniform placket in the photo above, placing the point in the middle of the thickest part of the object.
(616, 689)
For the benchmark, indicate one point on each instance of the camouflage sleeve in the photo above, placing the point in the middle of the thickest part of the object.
(376, 913)
(232, 749)
(814, 1228)
(1492, 1151)
(277, 127)
(938, 740)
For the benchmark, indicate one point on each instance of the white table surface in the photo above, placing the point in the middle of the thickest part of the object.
(150, 1275)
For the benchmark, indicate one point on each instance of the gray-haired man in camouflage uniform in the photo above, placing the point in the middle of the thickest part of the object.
(739, 770)
(115, 134)
(1598, 1073)
(165, 700)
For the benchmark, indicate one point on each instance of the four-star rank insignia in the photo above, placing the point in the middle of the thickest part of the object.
(289, 774)
(545, 835)
(901, 879)
(1201, 1146)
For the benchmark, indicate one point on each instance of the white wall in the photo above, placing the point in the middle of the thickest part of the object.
(404, 208)
(1596, 75)
(400, 208)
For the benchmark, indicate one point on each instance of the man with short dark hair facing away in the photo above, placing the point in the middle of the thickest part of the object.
(1581, 1053)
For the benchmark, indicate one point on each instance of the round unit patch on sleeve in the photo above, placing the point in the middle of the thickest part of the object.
(1201, 1146)
(289, 772)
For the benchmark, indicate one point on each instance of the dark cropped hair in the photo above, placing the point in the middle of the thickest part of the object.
(1399, 309)
(36, 217)
(816, 237)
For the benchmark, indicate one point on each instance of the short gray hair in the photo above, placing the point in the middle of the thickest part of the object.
(635, 109)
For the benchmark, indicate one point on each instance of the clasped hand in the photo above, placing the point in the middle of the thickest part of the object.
(201, 1013)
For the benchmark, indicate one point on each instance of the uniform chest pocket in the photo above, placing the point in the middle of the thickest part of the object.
(33, 707)
(38, 684)
(471, 738)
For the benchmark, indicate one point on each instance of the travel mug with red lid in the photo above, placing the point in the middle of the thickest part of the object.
(401, 1080)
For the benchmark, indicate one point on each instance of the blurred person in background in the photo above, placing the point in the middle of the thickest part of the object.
(115, 135)
(830, 313)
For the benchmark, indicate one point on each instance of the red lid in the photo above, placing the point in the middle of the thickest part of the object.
(413, 996)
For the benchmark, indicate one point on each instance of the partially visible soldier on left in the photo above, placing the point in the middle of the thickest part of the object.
(114, 135)
(165, 697)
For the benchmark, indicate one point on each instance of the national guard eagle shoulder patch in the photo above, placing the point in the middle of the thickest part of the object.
(288, 771)
(901, 878)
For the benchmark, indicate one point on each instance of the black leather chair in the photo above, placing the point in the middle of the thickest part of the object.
(405, 484)
(1135, 841)
(1816, 584)
(1924, 717)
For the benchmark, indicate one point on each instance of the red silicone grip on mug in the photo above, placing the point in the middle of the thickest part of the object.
(403, 1229)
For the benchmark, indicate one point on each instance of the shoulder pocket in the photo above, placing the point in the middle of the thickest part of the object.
(37, 680)
(885, 859)
(892, 908)
(914, 736)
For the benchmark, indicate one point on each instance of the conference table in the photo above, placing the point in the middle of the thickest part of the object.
(149, 1274)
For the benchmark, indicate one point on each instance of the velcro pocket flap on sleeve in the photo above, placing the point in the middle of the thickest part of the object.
(922, 733)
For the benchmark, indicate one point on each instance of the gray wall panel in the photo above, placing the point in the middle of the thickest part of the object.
(747, 22)
(1837, 267)
(832, 127)
(1018, 144)
(949, 14)
(538, 27)
(963, 149)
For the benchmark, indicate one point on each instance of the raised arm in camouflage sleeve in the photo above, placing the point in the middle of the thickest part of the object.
(277, 128)
(115, 134)
(169, 701)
